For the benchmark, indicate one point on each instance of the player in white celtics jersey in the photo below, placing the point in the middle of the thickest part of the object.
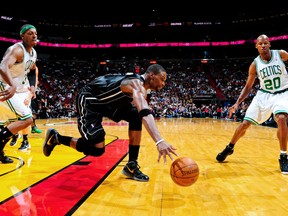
(271, 98)
(27, 97)
(17, 80)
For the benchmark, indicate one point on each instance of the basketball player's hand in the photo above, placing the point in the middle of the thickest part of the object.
(232, 110)
(26, 102)
(32, 91)
(8, 93)
(165, 149)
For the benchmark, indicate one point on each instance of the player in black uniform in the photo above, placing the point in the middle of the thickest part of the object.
(118, 97)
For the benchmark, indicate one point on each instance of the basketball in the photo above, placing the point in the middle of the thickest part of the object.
(184, 171)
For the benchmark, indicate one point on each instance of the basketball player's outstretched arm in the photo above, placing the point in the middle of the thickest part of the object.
(247, 88)
(164, 148)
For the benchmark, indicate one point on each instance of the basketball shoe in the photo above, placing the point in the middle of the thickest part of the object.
(283, 161)
(24, 145)
(4, 159)
(35, 130)
(132, 170)
(15, 137)
(222, 155)
(50, 141)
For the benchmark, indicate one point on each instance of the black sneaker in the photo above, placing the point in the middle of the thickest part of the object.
(131, 170)
(14, 139)
(283, 162)
(4, 159)
(24, 145)
(50, 142)
(222, 155)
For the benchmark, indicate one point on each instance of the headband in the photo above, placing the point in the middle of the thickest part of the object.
(25, 28)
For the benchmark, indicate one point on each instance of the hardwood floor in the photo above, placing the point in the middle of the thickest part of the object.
(248, 183)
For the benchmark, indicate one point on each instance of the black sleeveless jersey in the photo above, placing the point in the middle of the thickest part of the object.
(105, 90)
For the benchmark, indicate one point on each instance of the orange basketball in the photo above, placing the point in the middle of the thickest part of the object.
(184, 171)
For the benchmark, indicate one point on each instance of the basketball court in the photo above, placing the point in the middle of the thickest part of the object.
(70, 183)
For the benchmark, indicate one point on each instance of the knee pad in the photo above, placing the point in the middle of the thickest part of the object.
(135, 121)
(96, 151)
(131, 115)
(88, 149)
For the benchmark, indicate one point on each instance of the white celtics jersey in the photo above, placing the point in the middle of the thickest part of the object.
(20, 70)
(272, 75)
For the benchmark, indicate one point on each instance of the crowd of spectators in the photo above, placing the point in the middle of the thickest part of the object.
(188, 92)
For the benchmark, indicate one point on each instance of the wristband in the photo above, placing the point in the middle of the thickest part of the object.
(159, 141)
